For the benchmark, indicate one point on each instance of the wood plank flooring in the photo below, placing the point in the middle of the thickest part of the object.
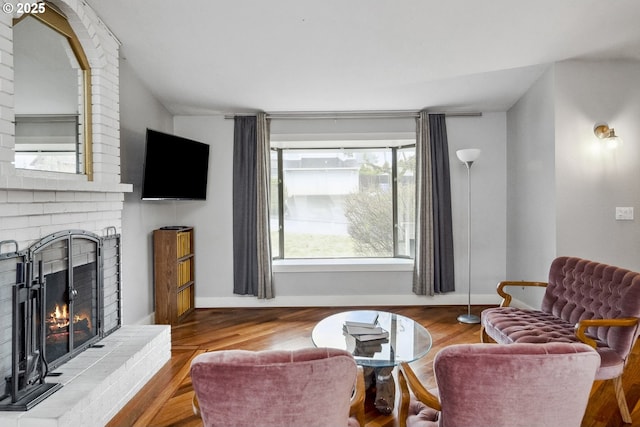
(166, 399)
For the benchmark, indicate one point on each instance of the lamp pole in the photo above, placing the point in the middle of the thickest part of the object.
(468, 156)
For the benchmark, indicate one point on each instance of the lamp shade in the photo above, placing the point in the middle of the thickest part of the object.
(468, 154)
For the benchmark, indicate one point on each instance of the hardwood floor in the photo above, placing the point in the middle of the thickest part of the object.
(166, 399)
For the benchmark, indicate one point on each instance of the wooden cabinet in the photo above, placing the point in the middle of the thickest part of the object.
(174, 273)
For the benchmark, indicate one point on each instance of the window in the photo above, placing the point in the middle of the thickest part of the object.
(342, 196)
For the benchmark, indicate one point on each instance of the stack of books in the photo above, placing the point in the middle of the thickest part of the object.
(369, 336)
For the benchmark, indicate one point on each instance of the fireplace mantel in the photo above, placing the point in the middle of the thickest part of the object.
(55, 182)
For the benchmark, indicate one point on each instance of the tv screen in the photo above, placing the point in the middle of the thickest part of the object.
(175, 168)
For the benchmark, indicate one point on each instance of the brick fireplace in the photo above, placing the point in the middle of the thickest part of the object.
(69, 361)
(98, 381)
(65, 298)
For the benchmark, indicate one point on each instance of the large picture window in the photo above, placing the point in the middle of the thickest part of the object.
(347, 198)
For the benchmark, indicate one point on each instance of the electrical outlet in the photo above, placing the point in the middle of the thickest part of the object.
(624, 213)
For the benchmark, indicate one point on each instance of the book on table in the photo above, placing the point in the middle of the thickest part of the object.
(362, 330)
(364, 318)
(382, 336)
(368, 349)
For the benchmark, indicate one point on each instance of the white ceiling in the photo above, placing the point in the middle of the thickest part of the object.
(205, 56)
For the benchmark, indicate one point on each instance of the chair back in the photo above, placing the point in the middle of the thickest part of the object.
(307, 387)
(580, 289)
(515, 385)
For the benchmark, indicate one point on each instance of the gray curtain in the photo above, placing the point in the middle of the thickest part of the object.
(433, 268)
(423, 263)
(263, 167)
(443, 274)
(251, 235)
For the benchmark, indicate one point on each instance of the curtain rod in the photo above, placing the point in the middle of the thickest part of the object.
(306, 115)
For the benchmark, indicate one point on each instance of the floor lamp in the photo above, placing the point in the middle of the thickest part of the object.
(468, 156)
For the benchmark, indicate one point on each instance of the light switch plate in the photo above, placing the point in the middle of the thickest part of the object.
(624, 213)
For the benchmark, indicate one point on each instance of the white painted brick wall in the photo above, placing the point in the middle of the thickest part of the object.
(35, 204)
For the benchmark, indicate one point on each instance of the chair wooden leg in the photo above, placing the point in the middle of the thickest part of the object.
(622, 400)
(195, 405)
(484, 338)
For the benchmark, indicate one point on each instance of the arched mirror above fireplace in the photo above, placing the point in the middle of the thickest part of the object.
(52, 85)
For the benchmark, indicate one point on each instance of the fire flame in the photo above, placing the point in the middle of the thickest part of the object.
(60, 314)
(59, 318)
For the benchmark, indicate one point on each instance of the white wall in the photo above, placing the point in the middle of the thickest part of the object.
(139, 110)
(212, 219)
(488, 202)
(531, 206)
(563, 184)
(591, 181)
(213, 224)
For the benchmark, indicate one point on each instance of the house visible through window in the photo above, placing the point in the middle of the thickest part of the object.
(342, 195)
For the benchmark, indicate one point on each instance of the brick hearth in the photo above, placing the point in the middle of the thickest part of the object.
(100, 381)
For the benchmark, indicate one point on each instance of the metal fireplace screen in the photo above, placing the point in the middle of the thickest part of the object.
(65, 297)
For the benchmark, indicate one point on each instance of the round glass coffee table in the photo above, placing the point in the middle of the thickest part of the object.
(407, 341)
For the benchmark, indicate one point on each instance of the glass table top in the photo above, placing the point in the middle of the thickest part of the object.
(407, 341)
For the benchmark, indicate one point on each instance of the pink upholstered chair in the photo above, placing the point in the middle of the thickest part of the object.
(497, 385)
(278, 388)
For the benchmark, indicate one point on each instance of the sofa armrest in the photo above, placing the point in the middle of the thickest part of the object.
(357, 400)
(582, 326)
(506, 297)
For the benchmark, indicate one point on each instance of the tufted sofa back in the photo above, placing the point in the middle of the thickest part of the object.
(581, 289)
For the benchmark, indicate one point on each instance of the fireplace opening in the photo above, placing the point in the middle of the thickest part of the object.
(65, 298)
(71, 312)
(69, 268)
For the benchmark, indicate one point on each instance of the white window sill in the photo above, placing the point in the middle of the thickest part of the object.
(341, 264)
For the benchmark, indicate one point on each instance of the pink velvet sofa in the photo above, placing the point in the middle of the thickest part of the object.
(584, 301)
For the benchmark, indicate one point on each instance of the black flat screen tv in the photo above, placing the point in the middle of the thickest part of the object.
(175, 168)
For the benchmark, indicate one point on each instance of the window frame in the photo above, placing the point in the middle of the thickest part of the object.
(394, 201)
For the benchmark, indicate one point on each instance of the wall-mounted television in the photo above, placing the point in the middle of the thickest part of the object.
(175, 168)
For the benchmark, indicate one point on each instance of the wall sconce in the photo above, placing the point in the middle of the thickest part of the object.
(607, 135)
